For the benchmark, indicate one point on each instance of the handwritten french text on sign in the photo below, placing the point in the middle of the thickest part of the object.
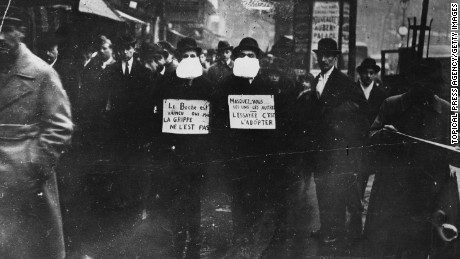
(252, 111)
(185, 116)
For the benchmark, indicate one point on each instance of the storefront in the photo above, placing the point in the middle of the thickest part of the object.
(314, 20)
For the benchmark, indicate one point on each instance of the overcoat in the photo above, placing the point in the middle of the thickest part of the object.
(35, 125)
(188, 148)
(242, 142)
(411, 187)
(128, 107)
(336, 123)
(219, 71)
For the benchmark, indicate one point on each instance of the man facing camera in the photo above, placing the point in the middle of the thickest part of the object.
(338, 126)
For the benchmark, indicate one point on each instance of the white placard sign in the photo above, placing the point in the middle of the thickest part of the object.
(185, 116)
(252, 111)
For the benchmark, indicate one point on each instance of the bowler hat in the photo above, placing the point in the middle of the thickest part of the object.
(187, 44)
(14, 16)
(223, 45)
(327, 45)
(247, 43)
(125, 40)
(150, 50)
(48, 40)
(368, 63)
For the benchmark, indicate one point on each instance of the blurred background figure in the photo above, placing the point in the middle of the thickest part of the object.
(304, 84)
(171, 62)
(154, 59)
(204, 60)
(276, 73)
(105, 53)
(223, 67)
(48, 48)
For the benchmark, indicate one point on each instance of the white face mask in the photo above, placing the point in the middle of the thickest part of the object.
(246, 67)
(189, 68)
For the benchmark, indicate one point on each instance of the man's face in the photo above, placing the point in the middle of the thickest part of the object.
(156, 62)
(106, 51)
(10, 37)
(127, 53)
(189, 54)
(51, 54)
(274, 77)
(226, 55)
(326, 61)
(306, 85)
(202, 58)
(247, 53)
(169, 57)
(367, 76)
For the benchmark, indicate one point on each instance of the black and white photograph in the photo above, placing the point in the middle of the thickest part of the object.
(233, 129)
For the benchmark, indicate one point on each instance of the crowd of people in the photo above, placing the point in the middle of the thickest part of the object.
(121, 97)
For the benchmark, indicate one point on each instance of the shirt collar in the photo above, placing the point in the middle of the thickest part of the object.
(328, 73)
(54, 62)
(130, 62)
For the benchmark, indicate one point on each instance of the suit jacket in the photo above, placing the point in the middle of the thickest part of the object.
(336, 123)
(376, 97)
(128, 107)
(35, 126)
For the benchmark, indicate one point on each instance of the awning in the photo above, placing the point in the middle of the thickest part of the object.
(98, 7)
(129, 17)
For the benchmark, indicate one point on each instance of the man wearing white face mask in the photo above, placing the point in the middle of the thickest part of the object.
(183, 144)
(250, 118)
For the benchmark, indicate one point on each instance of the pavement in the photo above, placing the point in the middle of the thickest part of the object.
(147, 234)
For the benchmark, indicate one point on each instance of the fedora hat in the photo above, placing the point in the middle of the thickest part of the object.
(327, 45)
(224, 45)
(247, 43)
(14, 16)
(150, 50)
(126, 40)
(187, 44)
(368, 63)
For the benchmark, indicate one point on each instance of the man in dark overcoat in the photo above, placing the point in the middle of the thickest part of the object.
(371, 89)
(35, 126)
(337, 126)
(186, 147)
(129, 113)
(252, 153)
(222, 69)
(416, 181)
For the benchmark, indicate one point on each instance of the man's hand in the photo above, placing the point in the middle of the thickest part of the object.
(389, 128)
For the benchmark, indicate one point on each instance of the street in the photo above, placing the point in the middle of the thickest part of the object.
(128, 234)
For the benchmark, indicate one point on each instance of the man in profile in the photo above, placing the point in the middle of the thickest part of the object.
(35, 125)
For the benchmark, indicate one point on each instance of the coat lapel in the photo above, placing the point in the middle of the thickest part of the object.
(329, 88)
(18, 82)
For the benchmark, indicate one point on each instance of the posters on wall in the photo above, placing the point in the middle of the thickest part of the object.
(325, 24)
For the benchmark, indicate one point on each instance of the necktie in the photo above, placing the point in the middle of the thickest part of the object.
(127, 69)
